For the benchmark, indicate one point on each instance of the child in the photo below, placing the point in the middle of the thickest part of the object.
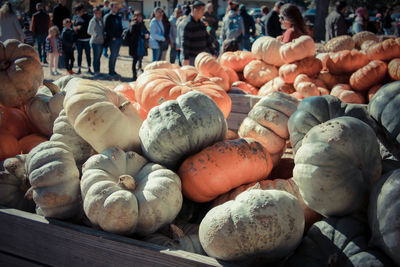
(53, 49)
(28, 35)
(68, 45)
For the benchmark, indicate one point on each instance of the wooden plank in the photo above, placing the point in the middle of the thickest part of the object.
(14, 261)
(59, 243)
(243, 103)
(234, 120)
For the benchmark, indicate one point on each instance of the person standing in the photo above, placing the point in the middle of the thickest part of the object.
(95, 30)
(292, 20)
(232, 25)
(272, 24)
(211, 19)
(263, 19)
(80, 26)
(29, 39)
(361, 21)
(249, 27)
(113, 33)
(9, 24)
(60, 12)
(105, 10)
(53, 49)
(387, 21)
(40, 25)
(167, 30)
(179, 32)
(157, 36)
(68, 45)
(173, 33)
(335, 24)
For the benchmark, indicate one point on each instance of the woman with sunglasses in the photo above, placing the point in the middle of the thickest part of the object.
(292, 20)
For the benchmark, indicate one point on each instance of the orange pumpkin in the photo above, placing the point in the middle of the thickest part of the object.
(346, 95)
(276, 85)
(338, 43)
(324, 58)
(301, 78)
(367, 44)
(368, 76)
(223, 166)
(208, 66)
(15, 121)
(298, 49)
(331, 80)
(310, 66)
(9, 146)
(127, 90)
(323, 91)
(297, 95)
(157, 86)
(258, 73)
(307, 89)
(245, 87)
(394, 69)
(231, 135)
(233, 76)
(236, 60)
(160, 65)
(28, 142)
(373, 90)
(346, 61)
(385, 50)
(361, 37)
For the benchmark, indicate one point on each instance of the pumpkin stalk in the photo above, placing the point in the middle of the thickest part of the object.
(124, 105)
(29, 193)
(127, 182)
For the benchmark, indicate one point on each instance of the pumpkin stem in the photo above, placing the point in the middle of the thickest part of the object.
(29, 194)
(124, 105)
(127, 182)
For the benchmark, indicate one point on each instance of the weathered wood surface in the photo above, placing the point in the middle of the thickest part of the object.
(241, 105)
(57, 243)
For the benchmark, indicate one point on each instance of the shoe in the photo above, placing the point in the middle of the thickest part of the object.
(97, 76)
(45, 62)
(90, 71)
(53, 73)
(56, 73)
(79, 71)
(70, 72)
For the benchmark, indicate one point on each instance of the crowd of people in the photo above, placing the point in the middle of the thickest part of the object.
(191, 29)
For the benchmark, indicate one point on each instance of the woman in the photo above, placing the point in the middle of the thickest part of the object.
(95, 30)
(10, 27)
(361, 21)
(157, 37)
(167, 29)
(136, 37)
(292, 20)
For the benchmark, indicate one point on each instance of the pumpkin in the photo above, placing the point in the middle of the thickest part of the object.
(123, 193)
(383, 214)
(310, 66)
(337, 242)
(373, 90)
(65, 133)
(267, 123)
(324, 58)
(307, 89)
(301, 78)
(346, 95)
(394, 69)
(346, 61)
(343, 42)
(245, 87)
(267, 222)
(62, 82)
(128, 90)
(27, 143)
(385, 50)
(208, 66)
(336, 164)
(267, 48)
(44, 107)
(232, 75)
(299, 48)
(236, 60)
(366, 77)
(20, 73)
(178, 128)
(360, 37)
(257, 73)
(210, 173)
(157, 86)
(102, 117)
(320, 48)
(297, 95)
(367, 44)
(230, 135)
(162, 64)
(54, 180)
(318, 109)
(9, 146)
(14, 121)
(276, 85)
(14, 184)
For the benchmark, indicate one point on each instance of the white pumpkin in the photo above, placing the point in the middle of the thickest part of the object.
(267, 48)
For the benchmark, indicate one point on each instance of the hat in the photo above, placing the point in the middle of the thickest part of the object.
(197, 4)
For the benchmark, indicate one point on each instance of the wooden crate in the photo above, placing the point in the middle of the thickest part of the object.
(241, 105)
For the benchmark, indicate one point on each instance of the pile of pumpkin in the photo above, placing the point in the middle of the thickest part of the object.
(150, 158)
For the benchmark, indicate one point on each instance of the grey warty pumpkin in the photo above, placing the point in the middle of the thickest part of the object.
(54, 180)
(14, 184)
(384, 214)
(336, 165)
(338, 241)
(181, 127)
(123, 193)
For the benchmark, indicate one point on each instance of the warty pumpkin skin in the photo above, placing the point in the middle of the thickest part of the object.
(123, 193)
(257, 73)
(369, 75)
(336, 165)
(344, 42)
(360, 37)
(394, 69)
(276, 85)
(157, 86)
(385, 50)
(265, 222)
(297, 49)
(14, 184)
(20, 73)
(346, 61)
(102, 117)
(236, 60)
(54, 180)
(211, 172)
(267, 48)
(181, 127)
(208, 66)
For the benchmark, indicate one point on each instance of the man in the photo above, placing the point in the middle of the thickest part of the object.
(264, 12)
(172, 35)
(106, 9)
(81, 24)
(40, 27)
(60, 12)
(113, 33)
(335, 24)
(272, 23)
(211, 19)
(249, 27)
(195, 36)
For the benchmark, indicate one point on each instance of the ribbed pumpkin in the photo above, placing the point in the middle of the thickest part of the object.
(245, 87)
(208, 66)
(14, 121)
(344, 42)
(385, 50)
(162, 64)
(335, 166)
(101, 116)
(307, 89)
(28, 142)
(276, 85)
(368, 76)
(157, 86)
(360, 37)
(310, 66)
(267, 48)
(128, 90)
(122, 193)
(258, 73)
(374, 89)
(236, 60)
(331, 80)
(232, 75)
(211, 172)
(324, 58)
(394, 69)
(265, 222)
(346, 61)
(181, 127)
(20, 73)
(62, 82)
(267, 123)
(300, 48)
(9, 146)
(346, 95)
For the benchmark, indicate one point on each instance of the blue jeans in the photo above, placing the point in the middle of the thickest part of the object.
(40, 45)
(386, 31)
(97, 51)
(156, 54)
(80, 45)
(115, 45)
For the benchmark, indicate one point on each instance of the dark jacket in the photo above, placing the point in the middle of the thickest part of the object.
(212, 22)
(249, 25)
(67, 38)
(82, 21)
(112, 26)
(60, 13)
(272, 24)
(49, 44)
(335, 25)
(136, 31)
(40, 23)
(195, 38)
